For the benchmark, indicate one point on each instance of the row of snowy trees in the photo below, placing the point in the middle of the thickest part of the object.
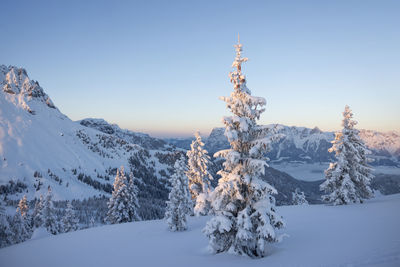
(244, 218)
(22, 226)
(123, 207)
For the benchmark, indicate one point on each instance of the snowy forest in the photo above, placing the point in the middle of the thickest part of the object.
(233, 193)
(199, 133)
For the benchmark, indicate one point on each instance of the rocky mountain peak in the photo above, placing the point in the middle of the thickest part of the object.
(20, 90)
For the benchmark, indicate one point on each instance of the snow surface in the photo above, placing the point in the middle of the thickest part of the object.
(320, 235)
(40, 232)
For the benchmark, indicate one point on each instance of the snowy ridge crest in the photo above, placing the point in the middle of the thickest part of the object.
(41, 147)
(311, 145)
(19, 89)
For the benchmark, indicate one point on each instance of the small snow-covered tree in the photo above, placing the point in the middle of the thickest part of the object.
(178, 204)
(348, 179)
(70, 221)
(23, 207)
(19, 229)
(91, 222)
(123, 205)
(49, 214)
(133, 199)
(199, 176)
(298, 198)
(22, 219)
(245, 219)
(37, 216)
(6, 235)
(20, 224)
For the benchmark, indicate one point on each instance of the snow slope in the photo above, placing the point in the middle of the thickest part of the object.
(320, 235)
(40, 146)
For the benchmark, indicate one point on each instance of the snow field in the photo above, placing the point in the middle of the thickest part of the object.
(319, 235)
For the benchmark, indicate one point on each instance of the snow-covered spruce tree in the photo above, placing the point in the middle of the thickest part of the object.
(122, 206)
(91, 222)
(199, 176)
(23, 210)
(49, 214)
(298, 198)
(23, 207)
(6, 235)
(348, 179)
(179, 203)
(19, 229)
(37, 215)
(133, 199)
(70, 221)
(245, 218)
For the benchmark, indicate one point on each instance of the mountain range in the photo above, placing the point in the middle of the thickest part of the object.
(41, 147)
(305, 145)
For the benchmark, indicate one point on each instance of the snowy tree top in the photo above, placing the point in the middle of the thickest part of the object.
(237, 63)
(347, 122)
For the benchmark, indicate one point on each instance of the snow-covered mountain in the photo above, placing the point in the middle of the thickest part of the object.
(300, 144)
(40, 146)
(385, 146)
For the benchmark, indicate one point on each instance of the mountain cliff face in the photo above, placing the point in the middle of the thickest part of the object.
(40, 146)
(300, 144)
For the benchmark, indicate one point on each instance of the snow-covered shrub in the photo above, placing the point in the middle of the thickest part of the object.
(298, 198)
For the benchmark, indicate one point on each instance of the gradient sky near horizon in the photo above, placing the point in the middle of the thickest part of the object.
(159, 66)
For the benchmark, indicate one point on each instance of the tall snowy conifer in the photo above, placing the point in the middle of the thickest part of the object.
(245, 216)
(348, 179)
(123, 205)
(49, 214)
(178, 204)
(199, 176)
(70, 221)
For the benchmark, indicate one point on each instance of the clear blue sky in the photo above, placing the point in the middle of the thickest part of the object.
(160, 66)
